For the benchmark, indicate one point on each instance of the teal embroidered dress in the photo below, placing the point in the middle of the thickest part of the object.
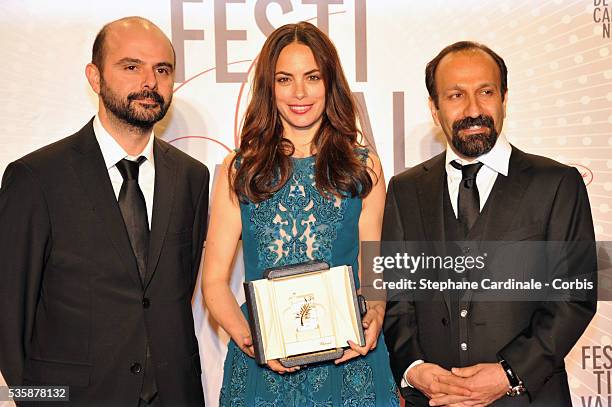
(298, 224)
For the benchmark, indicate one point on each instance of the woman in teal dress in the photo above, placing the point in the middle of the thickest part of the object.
(300, 188)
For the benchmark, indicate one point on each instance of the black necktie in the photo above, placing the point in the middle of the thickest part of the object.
(134, 211)
(469, 201)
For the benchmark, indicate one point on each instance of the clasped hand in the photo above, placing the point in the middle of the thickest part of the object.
(474, 386)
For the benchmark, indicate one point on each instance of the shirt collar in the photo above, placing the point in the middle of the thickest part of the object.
(113, 152)
(498, 159)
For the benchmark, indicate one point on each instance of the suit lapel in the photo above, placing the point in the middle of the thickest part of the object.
(91, 170)
(430, 190)
(503, 203)
(163, 199)
(430, 187)
(506, 197)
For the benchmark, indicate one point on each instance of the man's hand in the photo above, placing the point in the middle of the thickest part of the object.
(426, 378)
(486, 382)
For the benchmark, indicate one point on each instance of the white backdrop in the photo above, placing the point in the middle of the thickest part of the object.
(560, 92)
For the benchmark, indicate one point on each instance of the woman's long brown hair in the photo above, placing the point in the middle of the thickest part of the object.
(265, 163)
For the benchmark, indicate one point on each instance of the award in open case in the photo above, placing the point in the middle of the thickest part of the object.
(304, 313)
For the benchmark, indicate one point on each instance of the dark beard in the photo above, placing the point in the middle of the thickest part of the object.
(474, 145)
(125, 111)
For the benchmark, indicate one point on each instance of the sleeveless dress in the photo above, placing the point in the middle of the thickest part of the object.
(298, 224)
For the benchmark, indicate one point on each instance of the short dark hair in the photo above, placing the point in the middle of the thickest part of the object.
(430, 69)
(98, 51)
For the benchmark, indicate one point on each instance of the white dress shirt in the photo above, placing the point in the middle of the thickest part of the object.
(113, 153)
(495, 162)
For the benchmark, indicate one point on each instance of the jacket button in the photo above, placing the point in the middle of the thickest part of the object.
(136, 368)
(146, 303)
(444, 321)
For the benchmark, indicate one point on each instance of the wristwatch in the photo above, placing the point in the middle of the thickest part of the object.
(516, 387)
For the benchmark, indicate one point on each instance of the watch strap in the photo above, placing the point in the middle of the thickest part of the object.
(516, 387)
(512, 377)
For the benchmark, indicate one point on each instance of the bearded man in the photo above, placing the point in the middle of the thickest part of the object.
(452, 349)
(101, 240)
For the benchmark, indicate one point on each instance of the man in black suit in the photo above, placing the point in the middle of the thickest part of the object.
(451, 349)
(92, 297)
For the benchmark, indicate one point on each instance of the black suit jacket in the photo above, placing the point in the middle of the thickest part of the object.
(74, 310)
(542, 200)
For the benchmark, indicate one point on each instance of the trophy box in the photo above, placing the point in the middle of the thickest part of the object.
(304, 313)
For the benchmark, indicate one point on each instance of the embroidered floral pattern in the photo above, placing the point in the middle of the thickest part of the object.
(393, 395)
(234, 394)
(296, 389)
(357, 385)
(298, 224)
